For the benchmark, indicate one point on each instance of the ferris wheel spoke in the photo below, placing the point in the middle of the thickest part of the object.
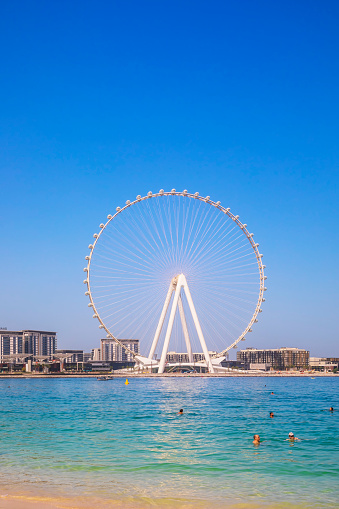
(196, 235)
(119, 263)
(190, 230)
(112, 254)
(141, 320)
(232, 260)
(227, 298)
(150, 233)
(127, 232)
(204, 240)
(186, 215)
(229, 301)
(210, 328)
(134, 316)
(223, 316)
(220, 257)
(158, 232)
(160, 217)
(141, 230)
(112, 260)
(217, 248)
(120, 309)
(224, 310)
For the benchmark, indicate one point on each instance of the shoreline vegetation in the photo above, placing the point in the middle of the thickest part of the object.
(169, 375)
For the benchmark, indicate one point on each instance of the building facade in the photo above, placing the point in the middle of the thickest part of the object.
(74, 355)
(10, 343)
(279, 359)
(96, 354)
(30, 342)
(176, 357)
(112, 351)
(324, 363)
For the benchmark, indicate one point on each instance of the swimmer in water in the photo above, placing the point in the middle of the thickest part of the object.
(272, 393)
(271, 415)
(181, 411)
(291, 437)
(256, 439)
(331, 408)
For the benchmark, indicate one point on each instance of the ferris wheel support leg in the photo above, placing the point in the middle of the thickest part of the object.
(197, 326)
(185, 329)
(169, 329)
(161, 321)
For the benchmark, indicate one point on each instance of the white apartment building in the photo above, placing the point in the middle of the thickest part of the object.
(112, 351)
(31, 342)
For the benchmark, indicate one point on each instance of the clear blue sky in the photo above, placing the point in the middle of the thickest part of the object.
(104, 100)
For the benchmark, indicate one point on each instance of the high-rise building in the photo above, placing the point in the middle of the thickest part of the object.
(112, 351)
(280, 358)
(30, 342)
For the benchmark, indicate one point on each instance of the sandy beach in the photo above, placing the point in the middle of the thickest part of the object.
(31, 502)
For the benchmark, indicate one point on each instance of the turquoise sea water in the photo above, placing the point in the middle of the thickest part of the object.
(109, 440)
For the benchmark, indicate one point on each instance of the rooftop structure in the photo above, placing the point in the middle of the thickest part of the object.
(74, 355)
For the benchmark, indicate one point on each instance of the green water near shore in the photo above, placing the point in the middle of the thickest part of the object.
(111, 441)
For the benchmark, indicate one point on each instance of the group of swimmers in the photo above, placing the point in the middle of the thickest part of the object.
(291, 437)
(256, 438)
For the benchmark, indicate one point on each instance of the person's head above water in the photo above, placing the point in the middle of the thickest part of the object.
(256, 439)
(181, 411)
(331, 409)
(271, 414)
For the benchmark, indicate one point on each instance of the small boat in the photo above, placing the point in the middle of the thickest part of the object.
(104, 378)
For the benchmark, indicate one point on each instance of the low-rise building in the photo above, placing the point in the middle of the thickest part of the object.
(182, 357)
(279, 358)
(324, 363)
(74, 355)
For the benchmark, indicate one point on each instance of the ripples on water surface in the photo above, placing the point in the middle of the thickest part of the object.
(106, 439)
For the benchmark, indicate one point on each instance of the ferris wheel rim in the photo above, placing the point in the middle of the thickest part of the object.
(196, 196)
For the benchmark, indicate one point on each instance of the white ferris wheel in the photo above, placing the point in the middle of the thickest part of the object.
(179, 272)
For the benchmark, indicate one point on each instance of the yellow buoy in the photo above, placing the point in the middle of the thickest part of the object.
(127, 382)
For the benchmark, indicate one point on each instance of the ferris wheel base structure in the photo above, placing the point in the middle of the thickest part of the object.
(152, 364)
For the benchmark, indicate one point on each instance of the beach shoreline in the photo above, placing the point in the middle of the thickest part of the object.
(30, 501)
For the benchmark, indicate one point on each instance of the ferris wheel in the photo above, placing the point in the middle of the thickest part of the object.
(179, 272)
